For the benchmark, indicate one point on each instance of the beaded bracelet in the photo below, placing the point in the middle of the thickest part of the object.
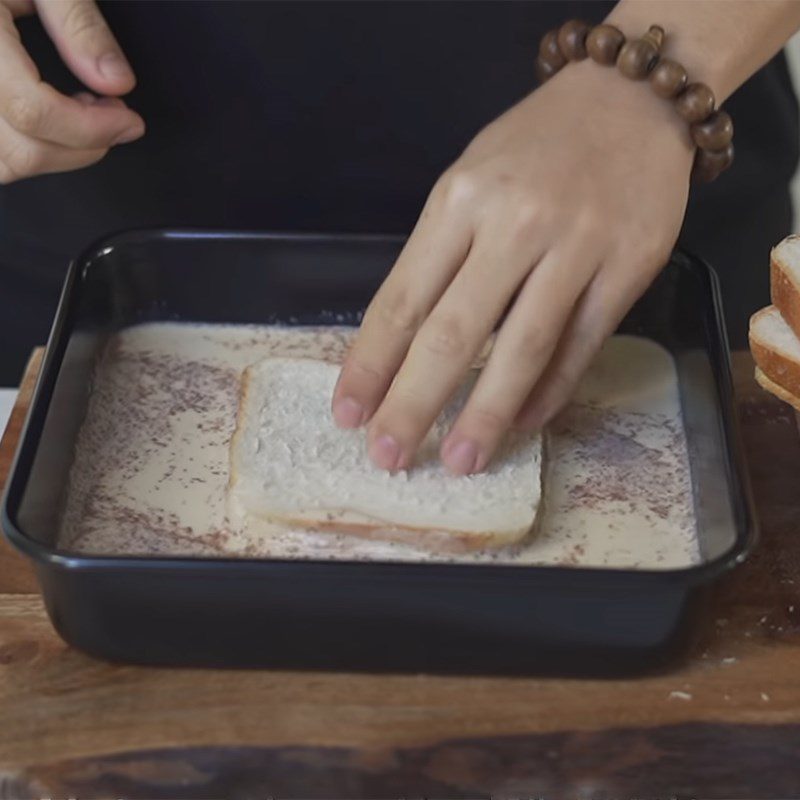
(711, 130)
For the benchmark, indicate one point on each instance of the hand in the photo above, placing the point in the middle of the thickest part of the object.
(42, 130)
(565, 208)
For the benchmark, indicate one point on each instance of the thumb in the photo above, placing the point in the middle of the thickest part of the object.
(86, 44)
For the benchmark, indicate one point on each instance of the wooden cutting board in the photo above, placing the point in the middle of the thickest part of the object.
(725, 725)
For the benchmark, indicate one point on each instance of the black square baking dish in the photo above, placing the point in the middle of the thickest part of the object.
(457, 618)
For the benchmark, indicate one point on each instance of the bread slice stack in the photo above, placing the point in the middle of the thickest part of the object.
(775, 330)
(292, 467)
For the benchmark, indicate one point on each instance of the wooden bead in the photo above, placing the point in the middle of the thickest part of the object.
(711, 131)
(668, 78)
(572, 39)
(715, 132)
(636, 59)
(695, 102)
(544, 70)
(604, 43)
(709, 164)
(655, 35)
(550, 52)
(639, 56)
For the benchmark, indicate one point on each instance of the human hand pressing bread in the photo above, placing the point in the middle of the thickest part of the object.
(561, 211)
(42, 130)
(565, 207)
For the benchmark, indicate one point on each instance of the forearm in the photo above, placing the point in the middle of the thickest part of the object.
(720, 42)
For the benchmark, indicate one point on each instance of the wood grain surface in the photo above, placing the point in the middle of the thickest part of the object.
(724, 725)
(16, 574)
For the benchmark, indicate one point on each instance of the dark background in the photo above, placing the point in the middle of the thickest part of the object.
(339, 116)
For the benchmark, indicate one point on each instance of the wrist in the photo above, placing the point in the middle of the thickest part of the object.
(602, 91)
(709, 53)
(639, 59)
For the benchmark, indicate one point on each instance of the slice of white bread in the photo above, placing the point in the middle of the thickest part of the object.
(776, 351)
(785, 280)
(291, 465)
(769, 385)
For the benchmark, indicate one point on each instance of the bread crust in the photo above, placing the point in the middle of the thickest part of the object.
(785, 290)
(434, 541)
(773, 388)
(238, 433)
(440, 542)
(776, 366)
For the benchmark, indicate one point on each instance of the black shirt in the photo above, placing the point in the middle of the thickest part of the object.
(338, 116)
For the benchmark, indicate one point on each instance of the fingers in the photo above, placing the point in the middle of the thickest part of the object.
(443, 349)
(39, 111)
(524, 346)
(86, 44)
(460, 271)
(596, 316)
(434, 252)
(22, 157)
(35, 109)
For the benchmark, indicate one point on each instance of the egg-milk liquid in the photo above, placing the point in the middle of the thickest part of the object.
(151, 464)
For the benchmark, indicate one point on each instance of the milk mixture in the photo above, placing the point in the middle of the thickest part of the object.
(151, 463)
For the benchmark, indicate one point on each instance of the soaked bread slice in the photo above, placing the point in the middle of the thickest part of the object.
(291, 465)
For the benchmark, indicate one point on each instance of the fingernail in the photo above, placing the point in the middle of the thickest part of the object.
(461, 458)
(113, 66)
(130, 135)
(385, 453)
(84, 98)
(348, 413)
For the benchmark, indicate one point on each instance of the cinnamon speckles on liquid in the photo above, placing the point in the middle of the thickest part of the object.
(151, 464)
